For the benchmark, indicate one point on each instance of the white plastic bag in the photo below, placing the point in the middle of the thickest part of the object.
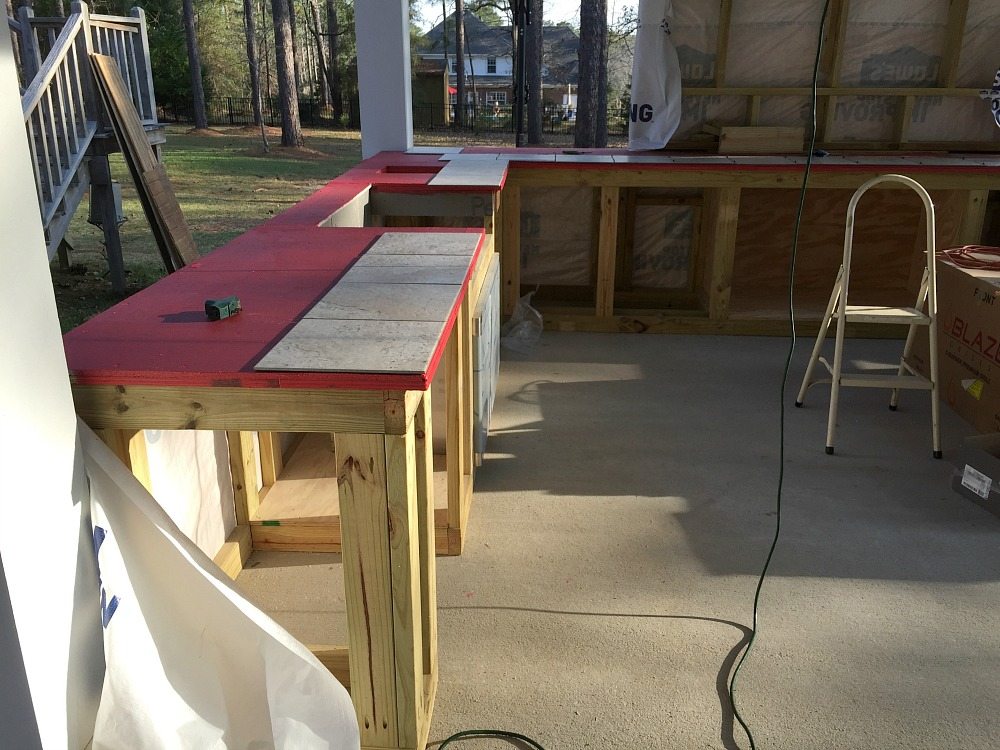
(190, 663)
(522, 332)
(655, 111)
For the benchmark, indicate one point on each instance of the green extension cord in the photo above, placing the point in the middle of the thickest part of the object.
(784, 380)
(498, 734)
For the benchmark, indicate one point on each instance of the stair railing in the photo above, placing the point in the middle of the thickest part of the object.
(61, 109)
(60, 114)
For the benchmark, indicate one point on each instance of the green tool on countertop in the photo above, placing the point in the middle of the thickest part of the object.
(217, 309)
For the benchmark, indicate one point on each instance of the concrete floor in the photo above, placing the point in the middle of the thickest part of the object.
(620, 522)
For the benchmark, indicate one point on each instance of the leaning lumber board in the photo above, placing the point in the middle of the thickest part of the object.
(155, 192)
(164, 202)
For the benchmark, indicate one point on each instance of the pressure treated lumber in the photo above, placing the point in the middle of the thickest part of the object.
(761, 140)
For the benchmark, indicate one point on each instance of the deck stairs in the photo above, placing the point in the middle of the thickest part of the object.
(65, 121)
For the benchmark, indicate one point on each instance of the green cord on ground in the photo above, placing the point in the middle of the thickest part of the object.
(498, 734)
(784, 380)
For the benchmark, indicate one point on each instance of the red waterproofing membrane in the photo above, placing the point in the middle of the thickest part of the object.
(161, 337)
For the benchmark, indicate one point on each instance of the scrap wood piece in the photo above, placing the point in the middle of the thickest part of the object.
(761, 140)
(156, 194)
(169, 213)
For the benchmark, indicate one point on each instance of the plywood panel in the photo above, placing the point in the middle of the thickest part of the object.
(885, 245)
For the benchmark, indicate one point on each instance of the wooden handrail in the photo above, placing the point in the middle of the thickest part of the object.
(63, 44)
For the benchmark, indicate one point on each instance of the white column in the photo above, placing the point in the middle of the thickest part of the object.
(382, 28)
(46, 546)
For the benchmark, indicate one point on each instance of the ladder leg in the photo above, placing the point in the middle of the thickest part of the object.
(820, 338)
(838, 364)
(910, 337)
(935, 401)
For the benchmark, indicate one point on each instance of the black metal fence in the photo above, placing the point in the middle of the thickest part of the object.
(478, 118)
(237, 110)
(499, 118)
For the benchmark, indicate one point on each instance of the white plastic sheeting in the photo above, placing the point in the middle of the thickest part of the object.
(190, 663)
(779, 36)
(190, 477)
(661, 249)
(773, 43)
(655, 110)
(556, 235)
(978, 61)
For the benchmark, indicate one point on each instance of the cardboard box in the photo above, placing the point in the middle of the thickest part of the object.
(968, 344)
(977, 473)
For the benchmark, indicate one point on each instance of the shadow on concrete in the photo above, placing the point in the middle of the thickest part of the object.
(697, 420)
(722, 678)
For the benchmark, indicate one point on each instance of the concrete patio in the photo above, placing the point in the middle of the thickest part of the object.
(620, 521)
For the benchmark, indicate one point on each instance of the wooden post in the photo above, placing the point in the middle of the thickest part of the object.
(31, 59)
(93, 108)
(971, 230)
(404, 558)
(424, 441)
(958, 11)
(722, 42)
(901, 125)
(271, 461)
(510, 248)
(607, 245)
(833, 50)
(130, 447)
(456, 439)
(146, 81)
(368, 580)
(720, 221)
(103, 192)
(243, 465)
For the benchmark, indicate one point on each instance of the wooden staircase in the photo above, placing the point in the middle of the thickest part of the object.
(69, 134)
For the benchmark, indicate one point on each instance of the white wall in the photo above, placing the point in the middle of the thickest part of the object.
(45, 545)
(505, 66)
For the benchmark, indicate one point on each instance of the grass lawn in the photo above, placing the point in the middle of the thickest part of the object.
(225, 185)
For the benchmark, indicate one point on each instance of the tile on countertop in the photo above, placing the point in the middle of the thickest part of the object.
(407, 274)
(385, 302)
(316, 345)
(425, 243)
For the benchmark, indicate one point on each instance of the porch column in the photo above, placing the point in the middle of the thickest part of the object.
(383, 38)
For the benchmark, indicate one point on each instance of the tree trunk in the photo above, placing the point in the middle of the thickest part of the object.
(601, 134)
(284, 54)
(265, 38)
(460, 62)
(249, 27)
(194, 63)
(333, 76)
(317, 32)
(293, 25)
(533, 73)
(593, 18)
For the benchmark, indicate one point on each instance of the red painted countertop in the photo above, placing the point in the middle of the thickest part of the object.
(160, 336)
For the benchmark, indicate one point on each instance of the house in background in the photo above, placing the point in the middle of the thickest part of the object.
(489, 63)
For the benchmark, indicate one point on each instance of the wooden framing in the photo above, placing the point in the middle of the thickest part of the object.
(716, 247)
(386, 509)
(837, 40)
